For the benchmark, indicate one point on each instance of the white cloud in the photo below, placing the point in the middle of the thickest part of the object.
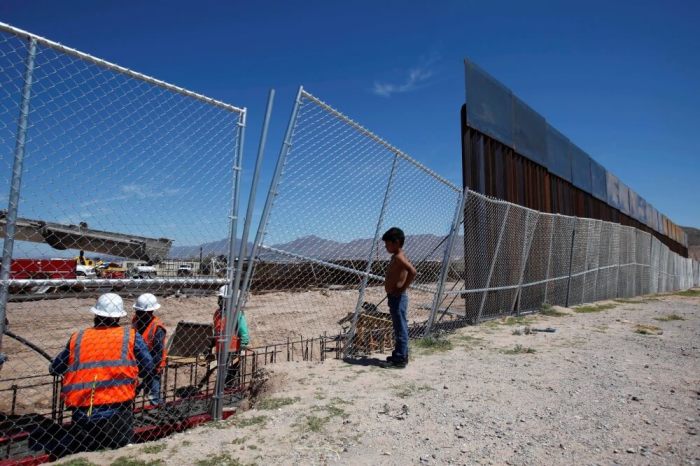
(133, 191)
(416, 78)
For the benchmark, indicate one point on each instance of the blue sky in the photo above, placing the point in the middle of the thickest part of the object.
(618, 78)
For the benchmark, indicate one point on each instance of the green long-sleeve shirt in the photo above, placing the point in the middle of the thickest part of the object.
(243, 330)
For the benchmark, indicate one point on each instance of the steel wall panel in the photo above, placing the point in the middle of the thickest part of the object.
(580, 168)
(558, 157)
(599, 182)
(625, 199)
(650, 215)
(613, 190)
(529, 132)
(634, 204)
(489, 104)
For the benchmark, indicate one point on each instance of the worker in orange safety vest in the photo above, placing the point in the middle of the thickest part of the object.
(152, 329)
(101, 367)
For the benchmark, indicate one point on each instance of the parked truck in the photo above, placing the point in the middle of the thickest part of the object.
(48, 269)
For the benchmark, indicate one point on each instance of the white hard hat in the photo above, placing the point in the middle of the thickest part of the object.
(109, 305)
(147, 302)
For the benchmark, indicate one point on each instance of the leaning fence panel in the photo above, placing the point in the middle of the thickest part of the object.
(322, 262)
(126, 188)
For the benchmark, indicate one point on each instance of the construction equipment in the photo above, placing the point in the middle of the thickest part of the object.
(80, 237)
(373, 330)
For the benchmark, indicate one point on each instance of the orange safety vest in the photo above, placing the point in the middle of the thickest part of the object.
(102, 367)
(149, 336)
(219, 329)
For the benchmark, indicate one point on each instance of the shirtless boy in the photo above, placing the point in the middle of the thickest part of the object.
(399, 276)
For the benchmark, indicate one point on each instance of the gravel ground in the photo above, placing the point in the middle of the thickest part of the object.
(594, 392)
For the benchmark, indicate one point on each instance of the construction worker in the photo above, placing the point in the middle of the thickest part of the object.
(101, 367)
(238, 343)
(151, 328)
(242, 339)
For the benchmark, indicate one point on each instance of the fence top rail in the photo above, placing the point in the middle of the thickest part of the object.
(495, 200)
(119, 69)
(377, 139)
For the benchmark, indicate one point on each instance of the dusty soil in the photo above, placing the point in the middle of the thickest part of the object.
(594, 392)
(272, 318)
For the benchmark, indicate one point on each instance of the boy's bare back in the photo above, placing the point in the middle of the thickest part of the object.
(399, 274)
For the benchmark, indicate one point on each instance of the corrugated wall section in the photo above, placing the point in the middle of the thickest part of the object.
(494, 169)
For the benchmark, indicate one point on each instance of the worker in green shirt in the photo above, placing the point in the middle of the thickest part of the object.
(238, 343)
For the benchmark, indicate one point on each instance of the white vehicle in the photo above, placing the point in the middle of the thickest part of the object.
(85, 271)
(185, 270)
(143, 270)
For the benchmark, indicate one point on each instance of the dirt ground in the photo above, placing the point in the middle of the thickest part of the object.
(272, 318)
(599, 390)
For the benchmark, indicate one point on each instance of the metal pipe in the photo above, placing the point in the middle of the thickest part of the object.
(523, 262)
(368, 268)
(16, 184)
(493, 263)
(549, 261)
(251, 201)
(29, 344)
(105, 282)
(272, 193)
(456, 222)
(232, 291)
(596, 229)
(111, 66)
(571, 261)
(585, 262)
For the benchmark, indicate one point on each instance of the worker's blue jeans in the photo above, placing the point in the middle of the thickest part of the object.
(398, 307)
(153, 389)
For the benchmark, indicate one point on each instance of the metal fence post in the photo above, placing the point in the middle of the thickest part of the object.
(651, 270)
(549, 261)
(15, 185)
(595, 271)
(571, 262)
(617, 261)
(232, 286)
(585, 262)
(493, 263)
(271, 194)
(368, 269)
(237, 288)
(454, 231)
(523, 262)
(251, 197)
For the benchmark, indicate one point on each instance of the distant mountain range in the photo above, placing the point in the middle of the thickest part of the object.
(418, 248)
(213, 248)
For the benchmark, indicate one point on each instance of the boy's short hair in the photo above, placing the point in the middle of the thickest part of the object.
(394, 234)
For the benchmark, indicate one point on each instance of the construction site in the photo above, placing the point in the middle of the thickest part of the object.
(536, 222)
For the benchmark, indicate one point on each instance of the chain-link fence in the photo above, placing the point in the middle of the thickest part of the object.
(519, 260)
(119, 183)
(116, 183)
(319, 262)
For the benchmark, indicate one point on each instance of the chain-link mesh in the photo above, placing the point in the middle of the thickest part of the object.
(126, 188)
(321, 263)
(537, 268)
(568, 261)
